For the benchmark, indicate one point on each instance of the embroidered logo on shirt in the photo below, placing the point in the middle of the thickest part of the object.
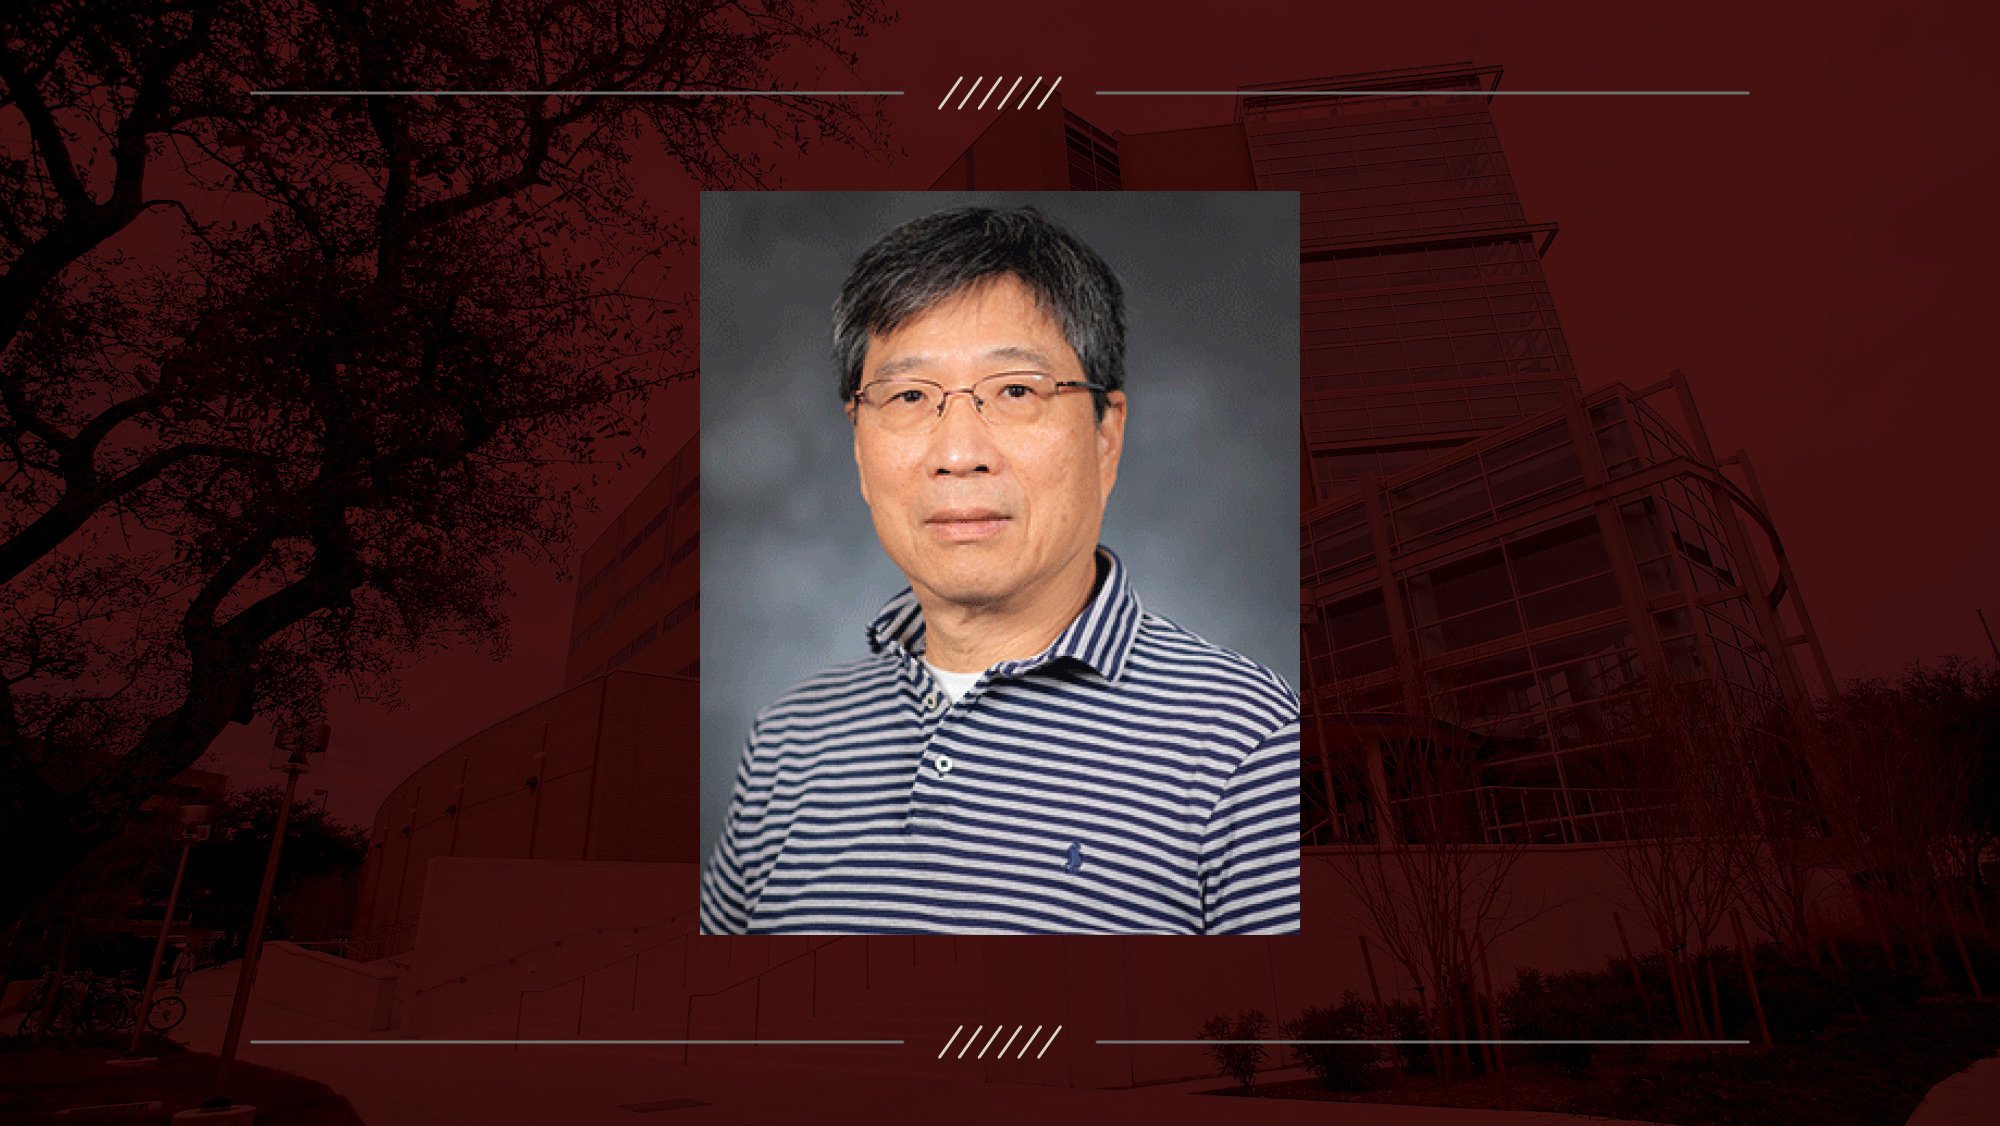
(1075, 860)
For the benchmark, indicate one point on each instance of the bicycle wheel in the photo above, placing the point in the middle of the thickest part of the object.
(166, 1013)
(106, 1013)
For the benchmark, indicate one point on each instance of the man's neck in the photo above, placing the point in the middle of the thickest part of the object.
(960, 638)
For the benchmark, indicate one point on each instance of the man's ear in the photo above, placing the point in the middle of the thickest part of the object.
(855, 422)
(1110, 439)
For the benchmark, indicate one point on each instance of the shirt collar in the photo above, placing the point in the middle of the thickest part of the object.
(1100, 637)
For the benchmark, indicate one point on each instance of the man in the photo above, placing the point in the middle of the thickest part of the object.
(183, 966)
(1024, 749)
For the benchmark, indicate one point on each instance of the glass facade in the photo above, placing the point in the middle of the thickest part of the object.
(1513, 587)
(1424, 311)
(1486, 548)
(1092, 154)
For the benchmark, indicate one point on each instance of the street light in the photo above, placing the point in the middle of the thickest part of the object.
(295, 756)
(193, 826)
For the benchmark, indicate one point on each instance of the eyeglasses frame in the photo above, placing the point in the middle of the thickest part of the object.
(978, 405)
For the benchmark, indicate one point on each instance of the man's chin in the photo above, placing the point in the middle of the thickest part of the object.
(970, 588)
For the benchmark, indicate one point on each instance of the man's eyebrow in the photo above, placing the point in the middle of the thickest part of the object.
(902, 364)
(1012, 353)
(1022, 355)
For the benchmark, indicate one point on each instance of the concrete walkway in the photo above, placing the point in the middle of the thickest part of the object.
(1970, 1098)
(561, 1085)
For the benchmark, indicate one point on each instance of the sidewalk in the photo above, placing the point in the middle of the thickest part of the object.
(422, 1084)
(1970, 1098)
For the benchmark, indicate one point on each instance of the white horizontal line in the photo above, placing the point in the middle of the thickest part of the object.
(576, 93)
(1502, 1043)
(675, 1043)
(1391, 93)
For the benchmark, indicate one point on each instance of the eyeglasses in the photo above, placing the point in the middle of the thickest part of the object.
(1014, 398)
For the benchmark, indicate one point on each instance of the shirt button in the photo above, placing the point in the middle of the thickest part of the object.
(930, 701)
(943, 764)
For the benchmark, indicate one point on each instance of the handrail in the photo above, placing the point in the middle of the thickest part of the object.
(757, 1007)
(553, 944)
(521, 997)
(520, 1000)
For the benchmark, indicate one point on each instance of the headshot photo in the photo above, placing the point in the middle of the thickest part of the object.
(998, 595)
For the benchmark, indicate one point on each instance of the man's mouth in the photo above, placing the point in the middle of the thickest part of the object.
(966, 525)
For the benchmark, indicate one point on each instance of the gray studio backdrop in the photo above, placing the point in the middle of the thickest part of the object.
(1205, 513)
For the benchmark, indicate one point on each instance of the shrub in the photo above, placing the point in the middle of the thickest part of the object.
(1798, 1000)
(1338, 1067)
(1406, 1022)
(1576, 1006)
(1239, 1061)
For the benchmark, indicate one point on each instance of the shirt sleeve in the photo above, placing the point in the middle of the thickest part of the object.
(725, 879)
(1250, 878)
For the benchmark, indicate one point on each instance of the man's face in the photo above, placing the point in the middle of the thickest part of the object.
(978, 514)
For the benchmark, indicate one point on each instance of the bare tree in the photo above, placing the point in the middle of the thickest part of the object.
(286, 381)
(1428, 878)
(1688, 809)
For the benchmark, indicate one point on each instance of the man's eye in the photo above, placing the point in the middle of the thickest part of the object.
(913, 396)
(1015, 391)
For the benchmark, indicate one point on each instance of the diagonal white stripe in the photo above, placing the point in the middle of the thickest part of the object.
(968, 1042)
(1009, 1043)
(989, 1043)
(947, 97)
(971, 90)
(1031, 1041)
(1010, 92)
(1052, 89)
(1050, 1040)
(1031, 92)
(989, 92)
(947, 1043)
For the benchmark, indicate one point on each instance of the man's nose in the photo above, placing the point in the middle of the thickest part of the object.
(962, 442)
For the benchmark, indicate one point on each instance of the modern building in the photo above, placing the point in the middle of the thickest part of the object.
(1498, 555)
(1487, 546)
(638, 586)
(606, 770)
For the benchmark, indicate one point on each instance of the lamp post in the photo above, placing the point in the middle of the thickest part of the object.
(193, 827)
(300, 754)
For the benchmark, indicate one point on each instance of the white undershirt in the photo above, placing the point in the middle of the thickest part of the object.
(955, 684)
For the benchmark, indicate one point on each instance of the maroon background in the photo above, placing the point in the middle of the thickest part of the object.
(1807, 254)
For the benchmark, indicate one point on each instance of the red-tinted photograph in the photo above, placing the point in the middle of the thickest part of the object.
(359, 640)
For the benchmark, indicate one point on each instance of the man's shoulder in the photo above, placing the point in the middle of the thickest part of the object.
(833, 690)
(1165, 650)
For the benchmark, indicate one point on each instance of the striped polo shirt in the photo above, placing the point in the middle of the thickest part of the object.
(1130, 779)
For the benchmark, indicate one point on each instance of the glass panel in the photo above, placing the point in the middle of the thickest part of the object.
(1599, 721)
(1658, 577)
(1442, 510)
(1616, 444)
(1558, 555)
(1587, 665)
(1344, 548)
(1485, 668)
(1590, 596)
(1683, 658)
(1642, 527)
(1538, 474)
(1373, 656)
(1455, 588)
(1473, 629)
(1352, 621)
